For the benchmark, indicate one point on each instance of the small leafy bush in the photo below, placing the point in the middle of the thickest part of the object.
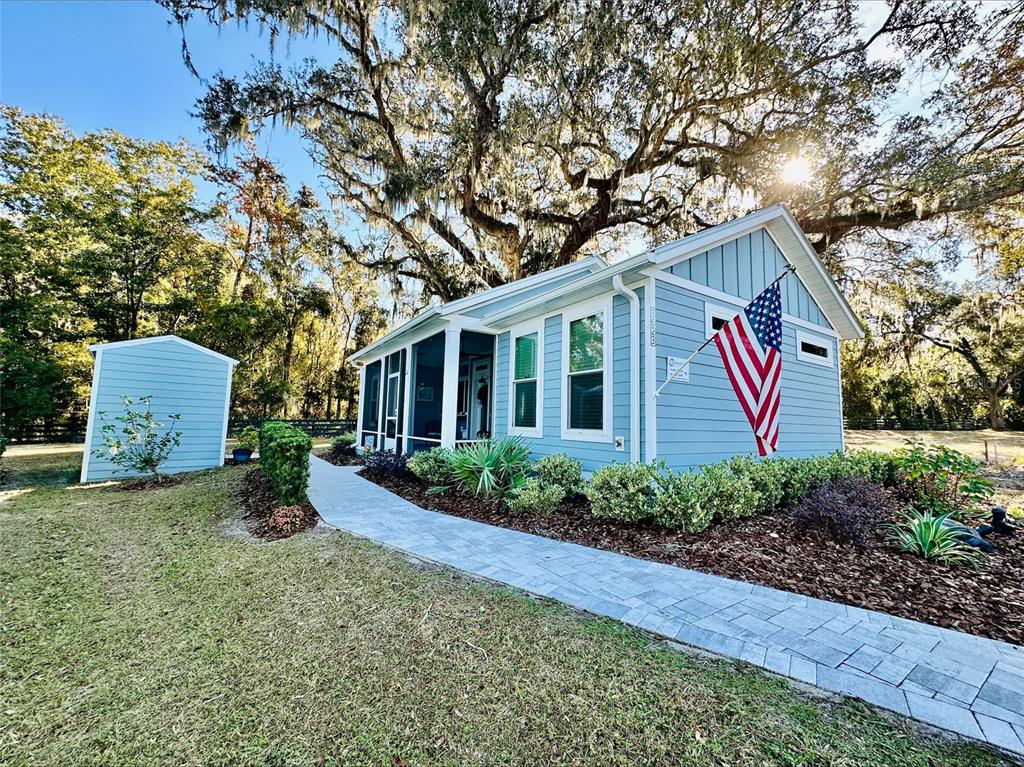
(431, 466)
(534, 497)
(847, 510)
(343, 446)
(133, 439)
(284, 459)
(562, 471)
(386, 464)
(623, 491)
(881, 468)
(3, 445)
(923, 533)
(249, 438)
(944, 480)
(691, 500)
(491, 467)
(765, 477)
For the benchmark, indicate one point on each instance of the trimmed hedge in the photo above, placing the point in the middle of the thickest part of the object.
(284, 459)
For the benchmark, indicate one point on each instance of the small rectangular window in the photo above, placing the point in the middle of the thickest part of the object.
(524, 382)
(717, 323)
(808, 348)
(586, 373)
(814, 349)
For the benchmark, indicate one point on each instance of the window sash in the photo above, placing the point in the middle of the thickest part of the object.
(525, 404)
(525, 362)
(586, 408)
(590, 357)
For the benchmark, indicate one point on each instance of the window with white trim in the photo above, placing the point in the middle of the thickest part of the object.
(815, 349)
(525, 365)
(585, 376)
(716, 316)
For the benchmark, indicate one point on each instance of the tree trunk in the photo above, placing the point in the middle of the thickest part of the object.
(996, 417)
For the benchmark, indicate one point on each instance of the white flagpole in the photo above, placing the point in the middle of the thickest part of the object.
(711, 338)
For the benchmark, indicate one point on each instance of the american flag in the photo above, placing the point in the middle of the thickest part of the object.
(751, 348)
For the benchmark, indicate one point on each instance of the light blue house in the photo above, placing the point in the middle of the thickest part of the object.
(571, 359)
(182, 378)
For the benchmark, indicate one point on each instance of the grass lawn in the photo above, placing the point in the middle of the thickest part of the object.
(142, 628)
(1010, 444)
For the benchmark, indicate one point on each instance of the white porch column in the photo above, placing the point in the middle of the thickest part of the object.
(450, 387)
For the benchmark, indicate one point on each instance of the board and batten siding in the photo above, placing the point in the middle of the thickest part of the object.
(700, 421)
(181, 380)
(593, 455)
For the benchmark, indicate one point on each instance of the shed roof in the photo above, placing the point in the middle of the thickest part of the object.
(156, 339)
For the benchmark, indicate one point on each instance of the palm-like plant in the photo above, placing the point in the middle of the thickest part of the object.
(925, 535)
(490, 468)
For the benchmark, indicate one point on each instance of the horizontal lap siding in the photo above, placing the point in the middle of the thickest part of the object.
(701, 421)
(744, 267)
(592, 455)
(181, 381)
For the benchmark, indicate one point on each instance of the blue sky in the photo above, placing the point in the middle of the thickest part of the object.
(117, 64)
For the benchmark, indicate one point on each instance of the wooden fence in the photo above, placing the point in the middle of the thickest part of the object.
(38, 434)
(314, 427)
(913, 424)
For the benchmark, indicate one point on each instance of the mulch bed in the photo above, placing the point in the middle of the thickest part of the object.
(340, 460)
(267, 519)
(770, 550)
(149, 483)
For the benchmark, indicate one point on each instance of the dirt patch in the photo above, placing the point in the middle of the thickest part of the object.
(160, 482)
(339, 460)
(266, 518)
(772, 551)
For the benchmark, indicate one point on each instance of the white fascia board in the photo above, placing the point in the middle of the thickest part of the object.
(156, 339)
(377, 348)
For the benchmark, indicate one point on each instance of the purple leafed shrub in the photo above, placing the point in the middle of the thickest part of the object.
(386, 463)
(847, 510)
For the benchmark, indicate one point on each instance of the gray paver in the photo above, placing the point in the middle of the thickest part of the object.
(844, 649)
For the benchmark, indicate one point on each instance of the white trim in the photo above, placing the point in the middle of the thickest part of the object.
(157, 339)
(716, 311)
(718, 295)
(634, 366)
(450, 387)
(651, 373)
(359, 413)
(407, 412)
(601, 305)
(91, 419)
(839, 382)
(816, 340)
(227, 410)
(526, 329)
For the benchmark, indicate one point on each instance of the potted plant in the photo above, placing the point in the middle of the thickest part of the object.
(248, 441)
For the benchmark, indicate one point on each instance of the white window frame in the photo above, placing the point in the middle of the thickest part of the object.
(578, 311)
(526, 329)
(717, 311)
(817, 340)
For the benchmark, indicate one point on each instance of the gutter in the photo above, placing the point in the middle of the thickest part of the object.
(634, 365)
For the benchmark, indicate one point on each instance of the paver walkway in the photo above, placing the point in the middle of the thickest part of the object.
(968, 684)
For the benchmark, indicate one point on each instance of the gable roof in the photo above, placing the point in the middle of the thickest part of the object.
(593, 277)
(156, 339)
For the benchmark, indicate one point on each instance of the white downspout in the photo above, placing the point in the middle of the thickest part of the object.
(634, 366)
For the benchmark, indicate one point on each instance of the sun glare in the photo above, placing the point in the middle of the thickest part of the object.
(796, 170)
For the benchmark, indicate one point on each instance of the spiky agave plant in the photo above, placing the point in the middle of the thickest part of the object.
(924, 534)
(490, 468)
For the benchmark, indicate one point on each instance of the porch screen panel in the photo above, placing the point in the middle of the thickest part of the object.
(371, 402)
(427, 384)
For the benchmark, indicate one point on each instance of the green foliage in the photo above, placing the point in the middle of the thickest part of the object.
(344, 445)
(879, 467)
(284, 459)
(944, 480)
(534, 497)
(133, 439)
(491, 468)
(3, 445)
(924, 534)
(622, 491)
(766, 478)
(431, 466)
(562, 471)
(249, 439)
(691, 500)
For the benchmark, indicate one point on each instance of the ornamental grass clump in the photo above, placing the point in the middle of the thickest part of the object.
(622, 491)
(561, 470)
(490, 468)
(284, 459)
(924, 534)
(534, 497)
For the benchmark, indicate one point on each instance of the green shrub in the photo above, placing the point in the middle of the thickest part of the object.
(490, 468)
(249, 438)
(691, 500)
(345, 439)
(944, 480)
(431, 466)
(284, 459)
(562, 471)
(3, 445)
(622, 491)
(534, 497)
(133, 440)
(924, 534)
(344, 446)
(730, 496)
(881, 468)
(766, 477)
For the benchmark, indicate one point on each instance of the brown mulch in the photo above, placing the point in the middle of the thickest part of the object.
(149, 483)
(340, 460)
(268, 520)
(771, 551)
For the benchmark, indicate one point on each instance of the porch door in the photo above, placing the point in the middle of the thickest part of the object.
(391, 410)
(480, 393)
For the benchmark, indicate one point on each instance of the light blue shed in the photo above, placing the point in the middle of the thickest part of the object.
(577, 359)
(182, 378)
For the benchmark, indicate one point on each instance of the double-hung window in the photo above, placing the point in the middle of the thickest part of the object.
(526, 415)
(586, 386)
